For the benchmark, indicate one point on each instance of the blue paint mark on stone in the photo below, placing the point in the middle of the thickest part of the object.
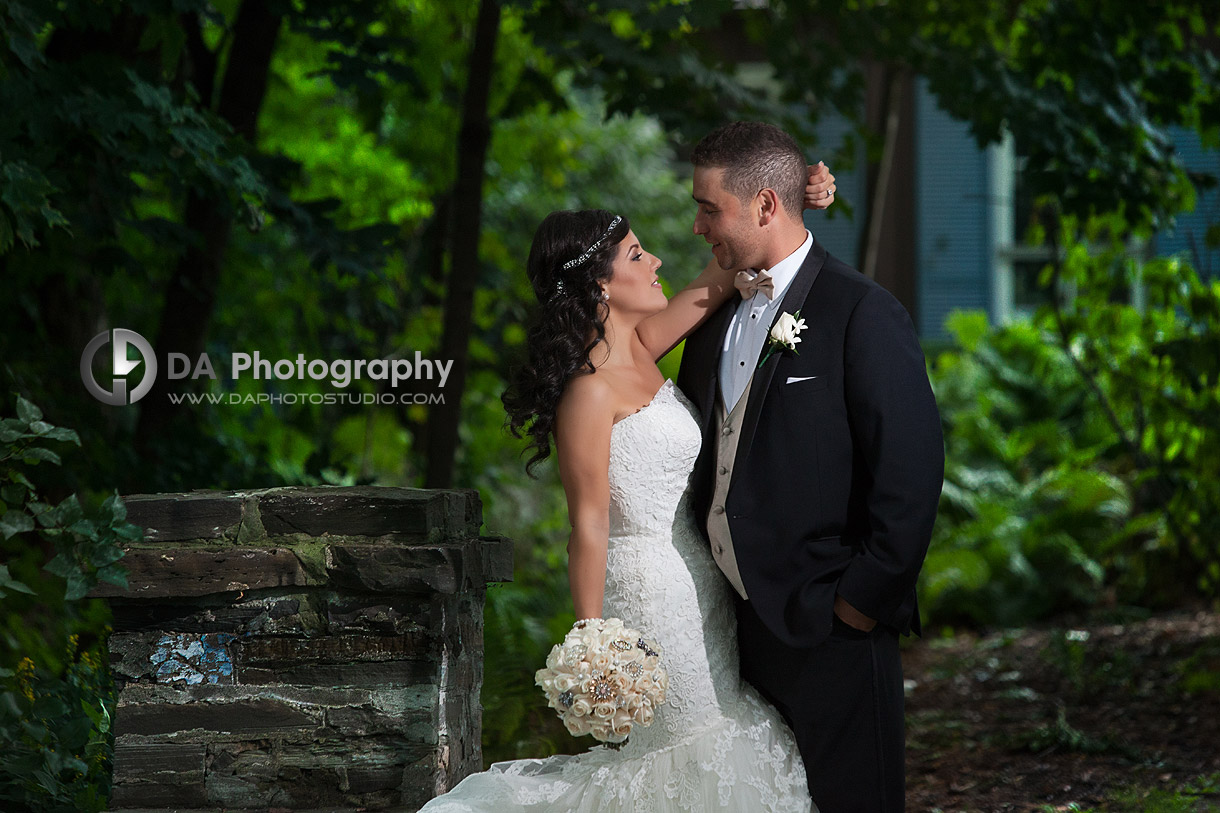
(193, 658)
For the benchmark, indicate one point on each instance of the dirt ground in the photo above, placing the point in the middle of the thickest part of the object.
(1103, 716)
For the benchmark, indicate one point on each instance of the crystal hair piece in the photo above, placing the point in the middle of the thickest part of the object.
(589, 251)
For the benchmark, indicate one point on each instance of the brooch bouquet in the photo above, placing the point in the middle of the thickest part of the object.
(604, 679)
(784, 335)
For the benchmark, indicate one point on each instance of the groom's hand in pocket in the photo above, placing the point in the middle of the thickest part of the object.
(852, 617)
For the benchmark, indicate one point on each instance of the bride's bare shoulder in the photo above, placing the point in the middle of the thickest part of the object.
(588, 401)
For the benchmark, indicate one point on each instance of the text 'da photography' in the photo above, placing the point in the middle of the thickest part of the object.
(119, 367)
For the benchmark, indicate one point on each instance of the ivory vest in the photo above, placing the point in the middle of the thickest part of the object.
(717, 520)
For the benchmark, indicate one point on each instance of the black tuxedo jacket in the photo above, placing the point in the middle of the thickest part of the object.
(837, 476)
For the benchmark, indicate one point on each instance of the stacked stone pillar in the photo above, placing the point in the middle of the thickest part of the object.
(300, 648)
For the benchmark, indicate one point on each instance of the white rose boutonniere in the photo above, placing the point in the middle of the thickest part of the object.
(783, 335)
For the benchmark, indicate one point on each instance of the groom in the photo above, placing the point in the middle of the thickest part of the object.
(820, 471)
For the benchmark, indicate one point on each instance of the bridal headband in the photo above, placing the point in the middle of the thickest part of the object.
(589, 251)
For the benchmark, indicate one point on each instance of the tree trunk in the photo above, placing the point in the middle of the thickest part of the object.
(879, 173)
(190, 297)
(466, 222)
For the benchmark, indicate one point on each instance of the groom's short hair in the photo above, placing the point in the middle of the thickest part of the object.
(756, 156)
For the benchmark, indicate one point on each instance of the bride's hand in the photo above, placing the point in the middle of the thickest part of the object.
(819, 188)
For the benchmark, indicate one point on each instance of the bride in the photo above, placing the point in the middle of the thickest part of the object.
(626, 442)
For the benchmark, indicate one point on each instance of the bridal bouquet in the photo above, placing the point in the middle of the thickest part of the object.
(603, 679)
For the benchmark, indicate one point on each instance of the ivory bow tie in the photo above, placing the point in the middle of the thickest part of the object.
(750, 285)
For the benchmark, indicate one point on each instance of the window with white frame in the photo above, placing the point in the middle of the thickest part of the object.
(1018, 288)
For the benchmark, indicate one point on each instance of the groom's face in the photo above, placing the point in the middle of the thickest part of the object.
(725, 221)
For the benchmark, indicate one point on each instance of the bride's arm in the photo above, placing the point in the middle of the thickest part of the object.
(687, 309)
(583, 421)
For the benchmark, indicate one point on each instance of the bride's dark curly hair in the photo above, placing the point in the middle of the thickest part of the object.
(568, 322)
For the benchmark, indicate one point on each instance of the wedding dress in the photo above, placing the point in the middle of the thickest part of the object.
(714, 744)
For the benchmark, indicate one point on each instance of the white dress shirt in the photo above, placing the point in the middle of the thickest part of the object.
(743, 343)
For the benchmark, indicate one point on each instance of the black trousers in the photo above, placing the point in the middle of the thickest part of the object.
(844, 701)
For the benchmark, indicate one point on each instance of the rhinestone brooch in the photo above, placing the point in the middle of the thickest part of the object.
(603, 690)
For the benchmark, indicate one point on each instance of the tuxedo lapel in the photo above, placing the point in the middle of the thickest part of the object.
(708, 359)
(794, 300)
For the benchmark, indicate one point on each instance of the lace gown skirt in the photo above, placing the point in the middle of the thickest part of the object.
(714, 744)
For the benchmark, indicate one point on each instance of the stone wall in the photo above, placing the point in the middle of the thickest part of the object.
(300, 648)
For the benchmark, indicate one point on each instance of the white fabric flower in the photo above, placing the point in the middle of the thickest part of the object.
(786, 329)
(783, 335)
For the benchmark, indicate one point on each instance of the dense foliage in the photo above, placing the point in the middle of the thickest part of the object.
(56, 699)
(1083, 445)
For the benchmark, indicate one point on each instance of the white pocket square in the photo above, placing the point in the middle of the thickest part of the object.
(794, 380)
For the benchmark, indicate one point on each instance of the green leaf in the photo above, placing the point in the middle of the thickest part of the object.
(1212, 236)
(15, 522)
(68, 511)
(62, 565)
(128, 531)
(42, 513)
(65, 435)
(103, 555)
(17, 477)
(14, 493)
(114, 508)
(26, 49)
(34, 454)
(27, 412)
(114, 574)
(76, 764)
(7, 582)
(84, 527)
(78, 586)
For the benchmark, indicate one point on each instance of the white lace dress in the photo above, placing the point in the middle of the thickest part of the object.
(714, 744)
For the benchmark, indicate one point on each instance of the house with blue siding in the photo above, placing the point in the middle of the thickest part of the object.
(951, 235)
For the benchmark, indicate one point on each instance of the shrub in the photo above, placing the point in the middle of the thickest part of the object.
(1083, 445)
(56, 694)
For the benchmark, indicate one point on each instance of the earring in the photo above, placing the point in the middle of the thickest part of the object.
(605, 295)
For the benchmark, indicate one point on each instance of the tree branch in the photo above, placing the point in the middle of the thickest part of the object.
(198, 62)
(879, 174)
(466, 225)
(190, 296)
